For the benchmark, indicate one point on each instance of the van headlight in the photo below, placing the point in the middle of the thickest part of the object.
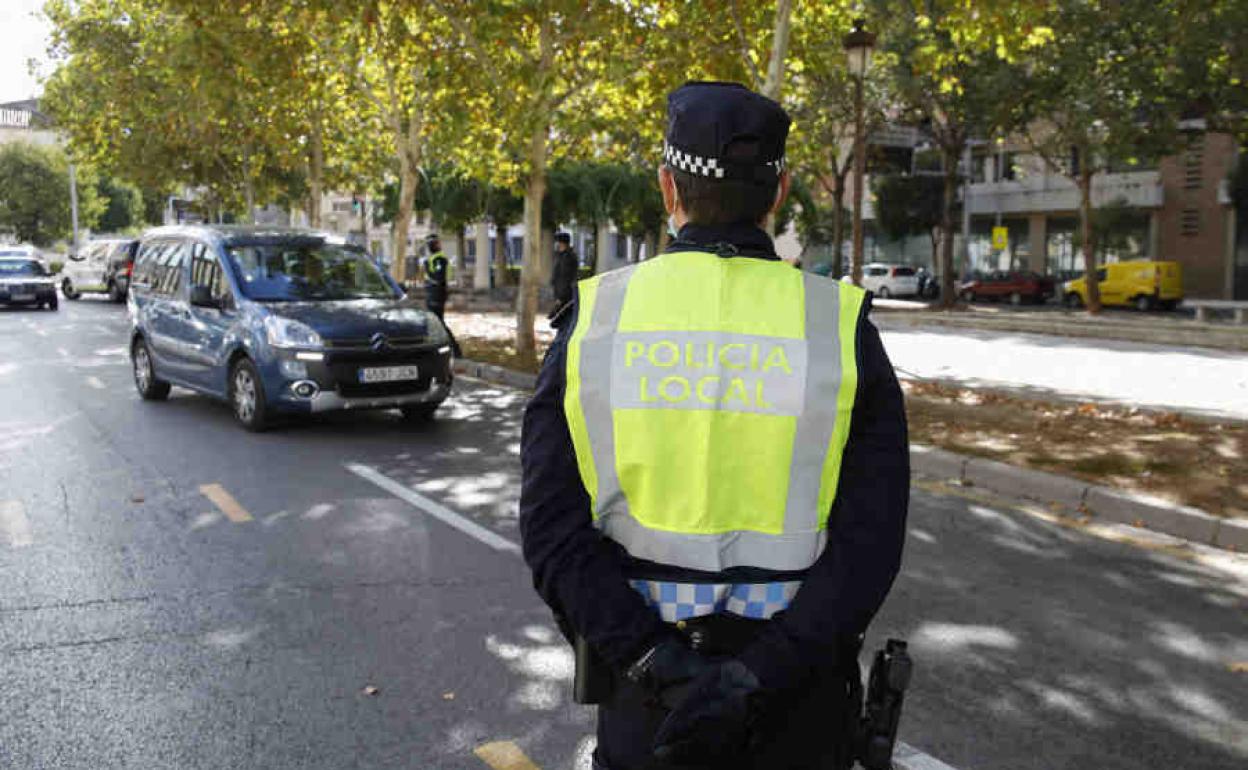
(287, 333)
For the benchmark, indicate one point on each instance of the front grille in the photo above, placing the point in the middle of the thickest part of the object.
(383, 389)
(344, 369)
(364, 343)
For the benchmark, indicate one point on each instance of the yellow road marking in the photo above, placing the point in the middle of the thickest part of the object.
(225, 502)
(504, 755)
(14, 526)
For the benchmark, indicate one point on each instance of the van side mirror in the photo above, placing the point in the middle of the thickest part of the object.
(201, 296)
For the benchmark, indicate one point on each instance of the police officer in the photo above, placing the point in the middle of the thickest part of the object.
(563, 276)
(437, 269)
(716, 472)
(437, 273)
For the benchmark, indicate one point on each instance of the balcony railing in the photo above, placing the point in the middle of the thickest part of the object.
(1051, 193)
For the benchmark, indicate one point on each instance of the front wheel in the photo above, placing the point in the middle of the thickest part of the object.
(115, 294)
(67, 288)
(149, 386)
(1016, 299)
(1143, 303)
(1073, 301)
(884, 293)
(419, 412)
(968, 296)
(247, 396)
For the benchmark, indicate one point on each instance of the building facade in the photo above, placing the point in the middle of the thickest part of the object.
(1177, 209)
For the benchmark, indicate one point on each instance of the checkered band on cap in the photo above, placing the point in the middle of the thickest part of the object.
(681, 601)
(710, 167)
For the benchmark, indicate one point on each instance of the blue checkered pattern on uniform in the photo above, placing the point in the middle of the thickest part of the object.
(681, 601)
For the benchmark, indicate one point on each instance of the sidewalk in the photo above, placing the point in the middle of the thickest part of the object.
(1195, 381)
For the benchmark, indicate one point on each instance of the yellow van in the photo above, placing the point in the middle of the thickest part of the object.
(1144, 285)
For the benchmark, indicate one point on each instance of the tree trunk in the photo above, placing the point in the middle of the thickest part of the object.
(1084, 182)
(500, 255)
(461, 251)
(779, 50)
(592, 262)
(838, 226)
(605, 260)
(651, 245)
(530, 269)
(316, 175)
(481, 264)
(664, 239)
(947, 297)
(249, 189)
(408, 179)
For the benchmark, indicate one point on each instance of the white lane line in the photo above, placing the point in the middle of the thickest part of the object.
(14, 526)
(434, 509)
(95, 382)
(907, 757)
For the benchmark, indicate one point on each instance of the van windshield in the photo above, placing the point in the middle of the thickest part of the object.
(306, 269)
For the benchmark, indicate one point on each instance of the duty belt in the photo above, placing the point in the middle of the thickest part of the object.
(681, 601)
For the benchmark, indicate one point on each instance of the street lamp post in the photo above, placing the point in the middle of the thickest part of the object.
(859, 44)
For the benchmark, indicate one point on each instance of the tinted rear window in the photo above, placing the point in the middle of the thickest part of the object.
(903, 272)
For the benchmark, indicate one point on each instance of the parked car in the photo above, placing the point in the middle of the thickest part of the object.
(280, 321)
(102, 266)
(1016, 287)
(890, 280)
(25, 281)
(1143, 285)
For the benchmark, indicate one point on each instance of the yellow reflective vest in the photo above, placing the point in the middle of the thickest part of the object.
(709, 402)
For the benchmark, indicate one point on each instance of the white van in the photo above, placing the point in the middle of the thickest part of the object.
(102, 266)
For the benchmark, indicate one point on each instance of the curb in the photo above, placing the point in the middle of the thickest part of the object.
(1099, 501)
(1201, 335)
(494, 373)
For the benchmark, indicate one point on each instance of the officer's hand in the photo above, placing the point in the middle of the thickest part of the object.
(667, 669)
(713, 721)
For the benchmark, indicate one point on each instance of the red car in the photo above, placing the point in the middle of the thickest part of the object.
(1016, 287)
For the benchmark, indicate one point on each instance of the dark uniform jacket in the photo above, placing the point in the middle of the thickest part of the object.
(583, 575)
(435, 276)
(563, 276)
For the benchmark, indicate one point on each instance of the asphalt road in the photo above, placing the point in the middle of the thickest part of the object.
(149, 619)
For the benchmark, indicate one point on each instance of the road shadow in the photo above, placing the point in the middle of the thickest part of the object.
(1038, 646)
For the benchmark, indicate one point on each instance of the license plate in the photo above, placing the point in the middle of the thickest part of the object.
(374, 374)
(22, 297)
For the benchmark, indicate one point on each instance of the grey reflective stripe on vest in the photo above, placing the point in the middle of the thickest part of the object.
(596, 351)
(604, 386)
(819, 414)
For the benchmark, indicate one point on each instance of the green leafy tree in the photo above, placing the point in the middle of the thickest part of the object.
(948, 65)
(34, 194)
(1099, 96)
(541, 67)
(123, 206)
(910, 205)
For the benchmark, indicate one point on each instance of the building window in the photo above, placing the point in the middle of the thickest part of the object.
(1193, 164)
(1189, 222)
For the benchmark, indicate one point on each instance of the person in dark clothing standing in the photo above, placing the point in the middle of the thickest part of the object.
(437, 267)
(437, 274)
(716, 471)
(566, 267)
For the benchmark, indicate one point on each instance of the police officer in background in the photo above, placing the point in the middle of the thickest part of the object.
(437, 273)
(437, 269)
(716, 471)
(566, 267)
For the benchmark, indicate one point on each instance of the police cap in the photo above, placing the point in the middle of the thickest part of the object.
(725, 131)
